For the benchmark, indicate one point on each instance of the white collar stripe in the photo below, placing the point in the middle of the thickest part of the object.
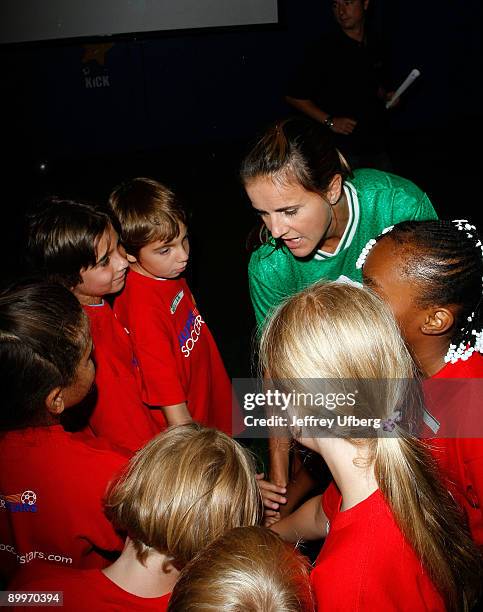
(355, 213)
(353, 221)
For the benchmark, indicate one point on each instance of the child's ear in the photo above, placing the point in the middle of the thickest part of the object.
(334, 191)
(131, 259)
(437, 321)
(55, 401)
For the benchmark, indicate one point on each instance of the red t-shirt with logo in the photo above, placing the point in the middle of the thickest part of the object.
(85, 590)
(367, 564)
(52, 485)
(454, 429)
(177, 355)
(119, 415)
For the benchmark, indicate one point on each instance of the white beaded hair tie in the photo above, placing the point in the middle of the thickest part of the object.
(463, 351)
(361, 260)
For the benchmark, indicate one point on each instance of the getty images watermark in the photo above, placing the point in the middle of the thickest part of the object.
(358, 408)
(274, 399)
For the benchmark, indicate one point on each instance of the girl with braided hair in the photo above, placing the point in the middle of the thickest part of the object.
(431, 274)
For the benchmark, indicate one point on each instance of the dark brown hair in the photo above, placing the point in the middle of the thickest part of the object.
(299, 149)
(446, 265)
(43, 335)
(62, 238)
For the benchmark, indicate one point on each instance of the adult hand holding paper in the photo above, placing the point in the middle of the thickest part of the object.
(412, 76)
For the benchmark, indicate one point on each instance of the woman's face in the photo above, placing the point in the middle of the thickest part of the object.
(299, 218)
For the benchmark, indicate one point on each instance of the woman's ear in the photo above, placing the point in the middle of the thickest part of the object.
(55, 401)
(438, 321)
(335, 190)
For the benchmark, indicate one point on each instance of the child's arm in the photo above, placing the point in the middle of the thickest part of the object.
(298, 486)
(279, 460)
(177, 414)
(309, 522)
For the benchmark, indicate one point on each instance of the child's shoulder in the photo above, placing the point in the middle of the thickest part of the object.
(138, 284)
(150, 297)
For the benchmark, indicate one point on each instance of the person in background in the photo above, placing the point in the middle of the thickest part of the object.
(342, 84)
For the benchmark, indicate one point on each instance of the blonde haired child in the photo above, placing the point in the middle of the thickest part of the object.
(394, 535)
(247, 569)
(181, 491)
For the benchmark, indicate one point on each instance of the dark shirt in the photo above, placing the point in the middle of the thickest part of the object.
(342, 77)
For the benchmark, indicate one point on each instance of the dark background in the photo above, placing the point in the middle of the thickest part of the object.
(182, 108)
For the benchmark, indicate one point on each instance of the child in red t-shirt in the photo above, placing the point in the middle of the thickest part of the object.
(51, 482)
(181, 491)
(77, 245)
(182, 372)
(395, 539)
(430, 273)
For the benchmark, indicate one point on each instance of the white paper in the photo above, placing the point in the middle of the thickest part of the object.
(409, 80)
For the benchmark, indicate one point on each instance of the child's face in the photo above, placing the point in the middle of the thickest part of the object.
(382, 274)
(160, 259)
(84, 379)
(301, 219)
(109, 273)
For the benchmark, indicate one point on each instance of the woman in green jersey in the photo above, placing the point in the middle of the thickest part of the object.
(317, 217)
(317, 213)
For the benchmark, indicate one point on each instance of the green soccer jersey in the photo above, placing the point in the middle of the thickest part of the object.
(376, 200)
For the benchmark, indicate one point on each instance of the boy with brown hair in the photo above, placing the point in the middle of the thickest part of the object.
(182, 371)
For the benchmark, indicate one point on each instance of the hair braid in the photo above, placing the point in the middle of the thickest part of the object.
(446, 257)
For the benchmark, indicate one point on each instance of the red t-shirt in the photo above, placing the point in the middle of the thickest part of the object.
(120, 415)
(90, 590)
(453, 415)
(367, 564)
(177, 355)
(52, 484)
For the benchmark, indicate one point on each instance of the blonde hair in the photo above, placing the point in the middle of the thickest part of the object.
(338, 331)
(249, 569)
(146, 211)
(182, 490)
